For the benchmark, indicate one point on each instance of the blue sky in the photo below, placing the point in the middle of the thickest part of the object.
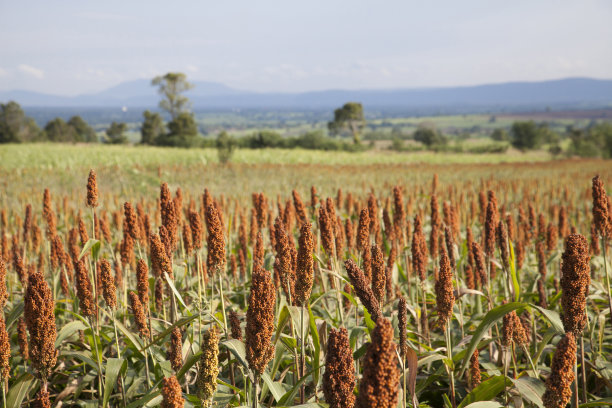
(71, 47)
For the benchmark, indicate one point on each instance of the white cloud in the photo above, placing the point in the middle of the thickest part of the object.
(32, 71)
(3, 72)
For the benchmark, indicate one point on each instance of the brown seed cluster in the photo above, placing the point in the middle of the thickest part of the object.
(479, 263)
(236, 331)
(92, 189)
(216, 240)
(403, 326)
(22, 339)
(379, 275)
(284, 259)
(575, 282)
(172, 395)
(445, 299)
(197, 231)
(363, 230)
(42, 399)
(40, 320)
(258, 252)
(502, 244)
(175, 352)
(513, 330)
(84, 290)
(474, 370)
(3, 292)
(133, 228)
(260, 321)
(419, 249)
(109, 291)
(139, 315)
(142, 284)
(491, 224)
(363, 289)
(435, 226)
(304, 271)
(300, 209)
(339, 376)
(159, 258)
(559, 383)
(49, 214)
(379, 386)
(209, 367)
(5, 350)
(326, 227)
(601, 218)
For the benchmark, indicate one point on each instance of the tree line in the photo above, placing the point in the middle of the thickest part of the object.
(182, 130)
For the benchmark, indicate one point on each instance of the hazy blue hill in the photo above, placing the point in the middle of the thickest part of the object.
(566, 93)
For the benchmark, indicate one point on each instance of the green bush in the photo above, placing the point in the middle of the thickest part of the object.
(489, 148)
(225, 147)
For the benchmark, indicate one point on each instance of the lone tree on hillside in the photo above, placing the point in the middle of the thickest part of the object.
(171, 86)
(350, 117)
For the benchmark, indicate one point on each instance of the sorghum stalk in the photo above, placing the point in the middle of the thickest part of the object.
(450, 369)
(339, 377)
(172, 394)
(209, 367)
(602, 221)
(380, 382)
(5, 355)
(558, 386)
(260, 324)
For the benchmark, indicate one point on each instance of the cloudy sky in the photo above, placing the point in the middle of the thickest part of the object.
(76, 46)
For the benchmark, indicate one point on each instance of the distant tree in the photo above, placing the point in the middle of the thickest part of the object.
(171, 86)
(500, 135)
(15, 126)
(555, 150)
(594, 141)
(182, 132)
(57, 130)
(350, 116)
(429, 136)
(152, 127)
(547, 135)
(225, 147)
(525, 135)
(115, 134)
(263, 139)
(83, 132)
(397, 144)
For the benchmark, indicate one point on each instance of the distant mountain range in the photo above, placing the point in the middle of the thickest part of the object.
(562, 93)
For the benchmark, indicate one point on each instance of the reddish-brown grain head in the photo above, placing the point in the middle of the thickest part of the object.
(339, 376)
(379, 386)
(172, 395)
(304, 270)
(39, 314)
(260, 321)
(575, 282)
(92, 189)
(559, 383)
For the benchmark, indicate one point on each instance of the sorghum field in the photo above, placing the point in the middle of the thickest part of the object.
(168, 280)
